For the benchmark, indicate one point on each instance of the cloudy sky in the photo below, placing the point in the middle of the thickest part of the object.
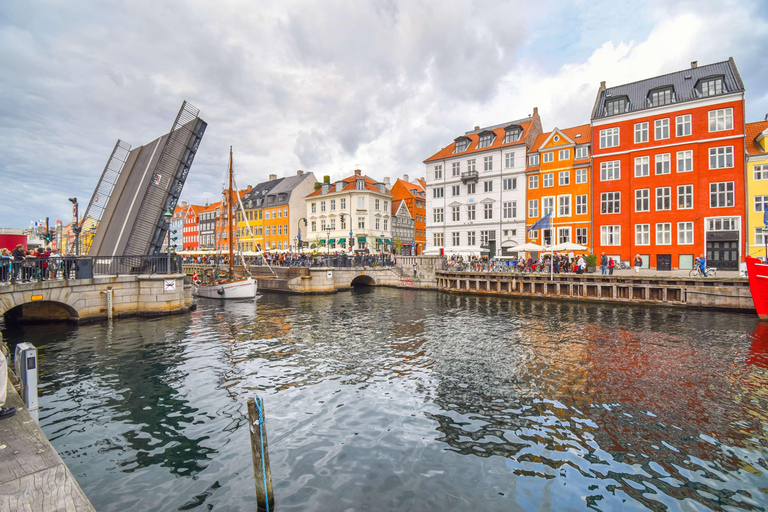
(323, 86)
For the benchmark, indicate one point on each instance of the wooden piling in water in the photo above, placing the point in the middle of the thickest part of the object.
(259, 449)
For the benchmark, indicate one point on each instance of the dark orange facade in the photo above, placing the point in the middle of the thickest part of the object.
(668, 179)
(415, 199)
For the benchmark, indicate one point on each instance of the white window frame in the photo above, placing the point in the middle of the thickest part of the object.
(661, 129)
(662, 164)
(760, 202)
(610, 137)
(548, 157)
(610, 201)
(717, 195)
(685, 234)
(642, 234)
(564, 154)
(642, 166)
(721, 157)
(610, 235)
(721, 120)
(548, 180)
(564, 178)
(662, 195)
(683, 124)
(561, 231)
(641, 132)
(760, 172)
(533, 160)
(643, 200)
(564, 205)
(685, 197)
(581, 152)
(533, 181)
(610, 172)
(488, 163)
(582, 204)
(533, 208)
(664, 233)
(685, 161)
(509, 160)
(581, 176)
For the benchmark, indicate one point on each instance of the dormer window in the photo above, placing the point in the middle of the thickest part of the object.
(616, 105)
(271, 199)
(360, 184)
(462, 143)
(512, 135)
(658, 97)
(533, 160)
(710, 86)
(281, 197)
(486, 139)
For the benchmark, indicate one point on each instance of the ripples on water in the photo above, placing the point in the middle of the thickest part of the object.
(397, 400)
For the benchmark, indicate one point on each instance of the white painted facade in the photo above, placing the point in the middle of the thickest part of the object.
(506, 189)
(334, 215)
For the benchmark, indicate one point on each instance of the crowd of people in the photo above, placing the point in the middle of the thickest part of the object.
(24, 265)
(302, 259)
(556, 263)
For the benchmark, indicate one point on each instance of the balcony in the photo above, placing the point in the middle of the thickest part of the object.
(469, 177)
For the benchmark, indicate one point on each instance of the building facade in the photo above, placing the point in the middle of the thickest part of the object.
(190, 238)
(476, 189)
(403, 229)
(177, 227)
(356, 208)
(207, 226)
(414, 194)
(558, 181)
(757, 187)
(668, 168)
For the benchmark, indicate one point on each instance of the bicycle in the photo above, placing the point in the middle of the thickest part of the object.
(697, 272)
(623, 265)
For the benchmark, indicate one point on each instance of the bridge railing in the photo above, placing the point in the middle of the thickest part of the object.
(309, 260)
(85, 267)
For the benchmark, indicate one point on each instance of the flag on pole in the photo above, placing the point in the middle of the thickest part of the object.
(543, 223)
(765, 217)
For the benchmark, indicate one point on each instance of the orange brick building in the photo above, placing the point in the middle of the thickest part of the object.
(415, 197)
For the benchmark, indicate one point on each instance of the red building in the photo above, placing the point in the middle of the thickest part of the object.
(668, 168)
(191, 235)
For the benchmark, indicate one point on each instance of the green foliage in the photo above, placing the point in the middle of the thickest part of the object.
(318, 185)
(326, 179)
(397, 244)
(591, 260)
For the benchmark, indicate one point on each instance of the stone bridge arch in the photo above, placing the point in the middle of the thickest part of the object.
(41, 311)
(363, 280)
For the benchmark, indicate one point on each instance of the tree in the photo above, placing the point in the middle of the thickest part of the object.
(397, 244)
(318, 185)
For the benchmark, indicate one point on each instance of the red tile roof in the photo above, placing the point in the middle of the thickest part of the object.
(584, 131)
(350, 183)
(474, 137)
(753, 130)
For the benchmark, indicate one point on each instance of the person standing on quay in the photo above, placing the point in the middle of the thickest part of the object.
(638, 264)
(18, 261)
(5, 412)
(611, 265)
(603, 263)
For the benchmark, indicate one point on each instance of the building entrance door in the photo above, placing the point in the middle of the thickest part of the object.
(723, 250)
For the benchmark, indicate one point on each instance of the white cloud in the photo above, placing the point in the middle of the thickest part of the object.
(323, 86)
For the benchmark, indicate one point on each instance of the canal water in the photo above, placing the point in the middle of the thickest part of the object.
(387, 399)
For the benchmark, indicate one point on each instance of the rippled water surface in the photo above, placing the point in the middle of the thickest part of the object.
(383, 399)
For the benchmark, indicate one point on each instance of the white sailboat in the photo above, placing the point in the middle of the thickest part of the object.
(228, 288)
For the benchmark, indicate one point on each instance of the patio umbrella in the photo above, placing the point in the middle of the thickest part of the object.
(569, 246)
(529, 247)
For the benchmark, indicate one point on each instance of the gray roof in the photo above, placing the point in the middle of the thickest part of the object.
(286, 186)
(683, 83)
(502, 125)
(259, 192)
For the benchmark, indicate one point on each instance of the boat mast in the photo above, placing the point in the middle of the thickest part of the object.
(230, 200)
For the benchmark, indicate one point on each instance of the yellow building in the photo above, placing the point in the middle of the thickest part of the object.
(757, 186)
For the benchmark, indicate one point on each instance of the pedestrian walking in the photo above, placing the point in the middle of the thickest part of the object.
(638, 263)
(604, 263)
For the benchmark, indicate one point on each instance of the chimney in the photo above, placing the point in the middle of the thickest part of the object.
(405, 177)
(183, 204)
(299, 172)
(249, 187)
(358, 172)
(602, 85)
(387, 182)
(766, 117)
(535, 111)
(477, 127)
(272, 177)
(694, 64)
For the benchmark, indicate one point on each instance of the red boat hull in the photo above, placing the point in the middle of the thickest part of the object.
(758, 285)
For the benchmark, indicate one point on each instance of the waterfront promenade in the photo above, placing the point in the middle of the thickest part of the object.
(32, 475)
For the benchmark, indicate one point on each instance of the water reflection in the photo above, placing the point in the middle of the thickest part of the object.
(397, 399)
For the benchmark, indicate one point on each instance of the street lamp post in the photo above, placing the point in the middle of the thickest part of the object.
(168, 214)
(328, 241)
(76, 224)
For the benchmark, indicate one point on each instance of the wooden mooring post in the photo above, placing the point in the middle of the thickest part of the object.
(259, 449)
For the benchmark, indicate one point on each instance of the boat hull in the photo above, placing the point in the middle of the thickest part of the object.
(242, 289)
(758, 286)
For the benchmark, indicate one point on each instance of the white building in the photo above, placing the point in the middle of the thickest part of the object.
(476, 189)
(356, 207)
